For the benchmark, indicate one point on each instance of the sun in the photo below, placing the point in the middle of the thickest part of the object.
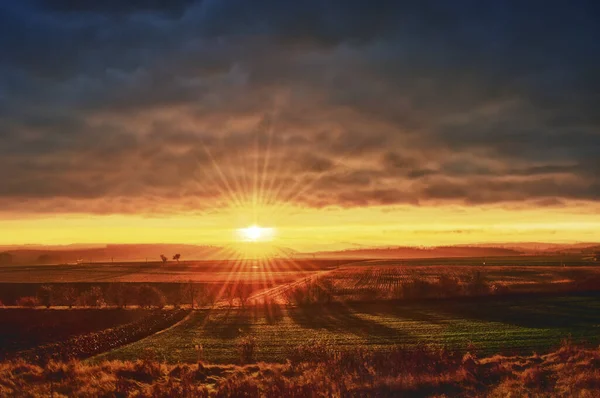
(255, 233)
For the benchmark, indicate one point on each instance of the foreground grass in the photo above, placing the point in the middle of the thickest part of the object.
(318, 370)
(507, 325)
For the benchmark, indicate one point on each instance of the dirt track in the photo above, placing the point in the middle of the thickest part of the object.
(276, 293)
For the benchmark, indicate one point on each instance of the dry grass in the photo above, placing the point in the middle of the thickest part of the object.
(317, 369)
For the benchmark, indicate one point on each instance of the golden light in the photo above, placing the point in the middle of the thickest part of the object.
(255, 233)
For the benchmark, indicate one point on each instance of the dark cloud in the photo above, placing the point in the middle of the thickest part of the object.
(350, 103)
(116, 7)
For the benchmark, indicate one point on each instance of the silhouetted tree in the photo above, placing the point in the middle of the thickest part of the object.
(192, 293)
(93, 297)
(163, 258)
(177, 257)
(448, 286)
(150, 296)
(115, 294)
(210, 297)
(45, 295)
(130, 294)
(69, 296)
(477, 284)
(230, 292)
(243, 291)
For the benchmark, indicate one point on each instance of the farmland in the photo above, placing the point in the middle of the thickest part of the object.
(495, 307)
(27, 328)
(494, 325)
(369, 282)
(267, 271)
(25, 281)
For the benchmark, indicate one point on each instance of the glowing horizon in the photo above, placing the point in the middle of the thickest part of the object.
(308, 229)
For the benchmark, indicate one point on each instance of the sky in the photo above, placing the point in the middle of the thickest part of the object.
(338, 123)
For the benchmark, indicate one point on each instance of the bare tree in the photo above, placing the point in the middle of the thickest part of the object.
(229, 292)
(130, 295)
(115, 294)
(93, 297)
(192, 292)
(151, 297)
(45, 295)
(69, 296)
(243, 292)
(210, 297)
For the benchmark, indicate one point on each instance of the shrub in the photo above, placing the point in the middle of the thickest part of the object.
(246, 348)
(448, 286)
(27, 301)
(316, 291)
(469, 362)
(476, 284)
(499, 288)
(418, 288)
(144, 371)
(538, 378)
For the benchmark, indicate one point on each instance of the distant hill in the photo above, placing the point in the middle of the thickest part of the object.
(540, 247)
(39, 254)
(475, 250)
(108, 253)
(418, 252)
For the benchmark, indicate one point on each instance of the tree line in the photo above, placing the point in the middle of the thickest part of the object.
(123, 295)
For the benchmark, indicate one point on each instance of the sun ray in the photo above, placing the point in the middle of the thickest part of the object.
(232, 194)
(261, 192)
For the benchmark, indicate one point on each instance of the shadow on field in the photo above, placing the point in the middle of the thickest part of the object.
(271, 312)
(231, 323)
(228, 324)
(575, 311)
(571, 312)
(401, 310)
(338, 318)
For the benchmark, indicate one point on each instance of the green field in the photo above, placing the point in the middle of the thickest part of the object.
(522, 325)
